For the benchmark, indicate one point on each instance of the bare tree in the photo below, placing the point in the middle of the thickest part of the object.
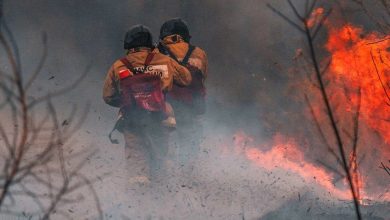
(33, 163)
(347, 161)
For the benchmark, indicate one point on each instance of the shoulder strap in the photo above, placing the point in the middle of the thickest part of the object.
(125, 61)
(149, 59)
(191, 48)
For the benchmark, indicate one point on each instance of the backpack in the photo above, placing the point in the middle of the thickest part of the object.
(139, 89)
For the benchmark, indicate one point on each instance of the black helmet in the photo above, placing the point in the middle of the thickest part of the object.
(175, 26)
(138, 36)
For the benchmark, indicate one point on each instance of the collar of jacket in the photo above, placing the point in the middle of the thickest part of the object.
(138, 49)
(172, 39)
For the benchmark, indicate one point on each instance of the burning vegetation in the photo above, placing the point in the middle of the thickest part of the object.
(346, 90)
(357, 82)
(361, 60)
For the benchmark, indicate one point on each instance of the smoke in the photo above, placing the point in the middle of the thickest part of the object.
(250, 53)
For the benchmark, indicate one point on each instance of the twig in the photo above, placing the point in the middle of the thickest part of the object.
(321, 133)
(378, 41)
(380, 79)
(387, 169)
(40, 65)
(295, 25)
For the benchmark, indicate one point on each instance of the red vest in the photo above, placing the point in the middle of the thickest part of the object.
(194, 94)
(140, 89)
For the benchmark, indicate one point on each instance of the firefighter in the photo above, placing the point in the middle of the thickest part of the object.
(188, 102)
(137, 84)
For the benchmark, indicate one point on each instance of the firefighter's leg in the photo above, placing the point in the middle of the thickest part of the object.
(137, 158)
(158, 137)
(138, 185)
(187, 134)
(196, 137)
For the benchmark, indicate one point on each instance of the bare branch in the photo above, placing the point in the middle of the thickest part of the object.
(380, 79)
(295, 11)
(378, 41)
(387, 169)
(311, 8)
(356, 122)
(321, 23)
(321, 133)
(40, 64)
(296, 26)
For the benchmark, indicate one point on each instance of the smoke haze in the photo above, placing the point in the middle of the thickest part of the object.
(250, 52)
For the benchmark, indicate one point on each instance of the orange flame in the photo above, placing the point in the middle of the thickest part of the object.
(362, 61)
(286, 155)
(359, 73)
(359, 63)
(315, 17)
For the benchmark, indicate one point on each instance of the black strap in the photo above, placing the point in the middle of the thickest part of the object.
(125, 61)
(148, 60)
(191, 48)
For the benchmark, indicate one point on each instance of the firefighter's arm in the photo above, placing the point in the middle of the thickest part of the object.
(111, 94)
(201, 55)
(205, 66)
(200, 61)
(181, 75)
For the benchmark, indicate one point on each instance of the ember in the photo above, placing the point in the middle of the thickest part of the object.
(315, 17)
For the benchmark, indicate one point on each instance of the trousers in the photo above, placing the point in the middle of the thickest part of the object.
(189, 133)
(146, 144)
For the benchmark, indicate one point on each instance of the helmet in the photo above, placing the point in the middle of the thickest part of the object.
(138, 36)
(175, 26)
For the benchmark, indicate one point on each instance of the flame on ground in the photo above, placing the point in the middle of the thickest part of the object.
(286, 155)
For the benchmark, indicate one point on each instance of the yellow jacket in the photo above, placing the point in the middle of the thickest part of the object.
(169, 70)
